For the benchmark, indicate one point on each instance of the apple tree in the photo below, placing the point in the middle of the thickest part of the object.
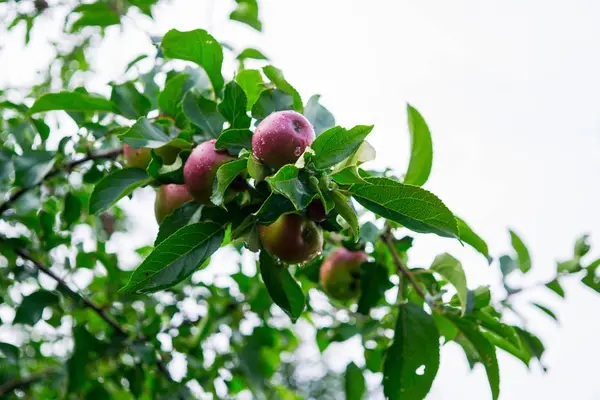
(242, 166)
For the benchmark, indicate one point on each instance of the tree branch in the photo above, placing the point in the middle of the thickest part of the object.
(102, 154)
(76, 296)
(24, 382)
(402, 269)
(89, 304)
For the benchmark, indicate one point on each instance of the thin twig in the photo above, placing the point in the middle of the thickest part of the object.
(68, 166)
(91, 305)
(76, 296)
(402, 269)
(24, 382)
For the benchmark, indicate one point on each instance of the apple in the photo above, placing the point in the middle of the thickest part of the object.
(292, 238)
(200, 170)
(168, 199)
(140, 158)
(340, 273)
(281, 138)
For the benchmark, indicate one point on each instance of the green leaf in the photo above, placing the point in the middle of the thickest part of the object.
(486, 353)
(591, 279)
(251, 53)
(320, 117)
(275, 75)
(445, 327)
(344, 208)
(412, 361)
(290, 182)
(170, 173)
(226, 174)
(98, 14)
(275, 206)
(556, 288)
(270, 101)
(451, 269)
(115, 186)
(347, 176)
(145, 134)
(523, 257)
(32, 166)
(478, 298)
(516, 350)
(136, 60)
(72, 101)
(282, 288)
(31, 308)
(233, 106)
(189, 213)
(10, 352)
(135, 377)
(369, 232)
(354, 381)
(507, 265)
(336, 144)
(257, 169)
(176, 258)
(532, 343)
(72, 209)
(42, 128)
(6, 164)
(251, 81)
(170, 97)
(235, 140)
(365, 152)
(84, 347)
(546, 310)
(472, 239)
(492, 324)
(374, 281)
(411, 206)
(203, 113)
(582, 246)
(421, 155)
(568, 266)
(247, 13)
(199, 47)
(131, 103)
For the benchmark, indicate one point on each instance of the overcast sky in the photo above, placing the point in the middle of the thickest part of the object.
(511, 93)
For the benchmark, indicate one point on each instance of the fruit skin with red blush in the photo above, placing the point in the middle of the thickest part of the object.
(140, 158)
(168, 199)
(340, 273)
(281, 138)
(292, 238)
(137, 158)
(201, 168)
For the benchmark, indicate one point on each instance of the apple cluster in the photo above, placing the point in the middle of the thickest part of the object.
(279, 139)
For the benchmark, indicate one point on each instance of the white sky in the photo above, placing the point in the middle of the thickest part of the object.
(511, 93)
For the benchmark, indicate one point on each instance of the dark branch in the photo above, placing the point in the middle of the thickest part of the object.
(76, 296)
(22, 383)
(402, 269)
(89, 304)
(67, 167)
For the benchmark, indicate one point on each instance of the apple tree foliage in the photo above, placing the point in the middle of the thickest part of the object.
(121, 333)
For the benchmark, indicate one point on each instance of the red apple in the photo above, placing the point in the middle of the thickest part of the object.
(340, 273)
(200, 170)
(281, 138)
(168, 199)
(292, 238)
